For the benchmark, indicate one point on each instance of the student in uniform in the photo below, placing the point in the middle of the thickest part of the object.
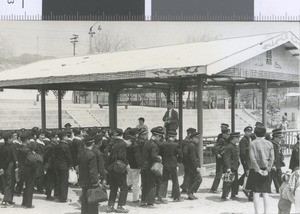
(294, 162)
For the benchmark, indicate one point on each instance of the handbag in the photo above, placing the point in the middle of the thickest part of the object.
(96, 195)
(157, 169)
(73, 178)
(119, 166)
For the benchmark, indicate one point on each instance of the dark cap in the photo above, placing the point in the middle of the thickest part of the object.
(170, 101)
(118, 132)
(224, 125)
(276, 132)
(235, 134)
(62, 134)
(191, 130)
(7, 134)
(68, 125)
(25, 135)
(142, 119)
(226, 130)
(194, 134)
(52, 134)
(172, 133)
(259, 124)
(259, 129)
(89, 140)
(157, 130)
(248, 128)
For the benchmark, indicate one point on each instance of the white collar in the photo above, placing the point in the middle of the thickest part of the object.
(40, 142)
(17, 142)
(77, 138)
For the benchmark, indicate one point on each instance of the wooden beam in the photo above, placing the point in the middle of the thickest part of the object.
(59, 99)
(232, 93)
(112, 102)
(291, 48)
(200, 116)
(180, 107)
(264, 102)
(43, 109)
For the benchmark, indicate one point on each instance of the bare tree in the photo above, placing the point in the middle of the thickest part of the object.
(203, 37)
(106, 41)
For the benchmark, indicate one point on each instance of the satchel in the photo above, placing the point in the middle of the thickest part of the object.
(97, 195)
(119, 166)
(157, 169)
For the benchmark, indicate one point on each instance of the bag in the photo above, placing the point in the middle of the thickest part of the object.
(228, 177)
(73, 178)
(119, 166)
(97, 195)
(32, 159)
(157, 169)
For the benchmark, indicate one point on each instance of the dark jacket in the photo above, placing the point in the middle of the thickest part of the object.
(219, 147)
(100, 162)
(173, 120)
(134, 155)
(117, 152)
(63, 156)
(170, 153)
(88, 173)
(49, 157)
(278, 156)
(77, 147)
(150, 154)
(231, 157)
(244, 152)
(294, 162)
(191, 157)
(7, 155)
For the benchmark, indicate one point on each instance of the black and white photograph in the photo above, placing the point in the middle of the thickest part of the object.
(149, 117)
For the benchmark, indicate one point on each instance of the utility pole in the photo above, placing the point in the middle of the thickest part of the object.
(74, 41)
(91, 33)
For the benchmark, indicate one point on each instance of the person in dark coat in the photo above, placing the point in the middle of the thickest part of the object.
(19, 145)
(170, 153)
(117, 180)
(64, 162)
(191, 158)
(29, 170)
(294, 162)
(231, 165)
(171, 119)
(51, 177)
(244, 157)
(77, 146)
(100, 158)
(8, 164)
(150, 155)
(185, 184)
(276, 172)
(224, 126)
(88, 175)
(40, 170)
(218, 151)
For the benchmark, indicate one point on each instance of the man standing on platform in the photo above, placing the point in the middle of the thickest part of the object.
(231, 164)
(278, 158)
(218, 151)
(171, 121)
(224, 126)
(142, 125)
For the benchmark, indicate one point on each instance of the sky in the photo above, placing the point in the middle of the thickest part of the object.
(52, 38)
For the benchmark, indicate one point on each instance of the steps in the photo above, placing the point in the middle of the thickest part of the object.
(84, 117)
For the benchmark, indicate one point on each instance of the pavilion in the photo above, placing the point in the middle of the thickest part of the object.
(258, 61)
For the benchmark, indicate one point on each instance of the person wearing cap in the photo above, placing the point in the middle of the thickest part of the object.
(88, 175)
(278, 159)
(191, 157)
(244, 156)
(117, 180)
(218, 151)
(77, 146)
(64, 162)
(261, 153)
(51, 177)
(150, 155)
(224, 126)
(185, 184)
(170, 153)
(294, 161)
(100, 158)
(171, 119)
(231, 164)
(135, 160)
(142, 125)
(8, 164)
(40, 170)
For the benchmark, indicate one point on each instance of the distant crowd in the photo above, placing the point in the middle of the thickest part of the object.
(45, 161)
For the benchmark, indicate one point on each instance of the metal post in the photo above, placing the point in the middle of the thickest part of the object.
(233, 108)
(168, 95)
(112, 102)
(43, 108)
(180, 91)
(91, 99)
(200, 116)
(264, 102)
(59, 109)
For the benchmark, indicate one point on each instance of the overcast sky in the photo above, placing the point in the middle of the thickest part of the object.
(54, 36)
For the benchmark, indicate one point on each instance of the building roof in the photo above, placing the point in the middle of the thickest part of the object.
(189, 59)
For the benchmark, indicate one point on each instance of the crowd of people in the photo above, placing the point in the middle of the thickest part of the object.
(36, 160)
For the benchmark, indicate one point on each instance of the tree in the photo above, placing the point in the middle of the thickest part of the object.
(106, 41)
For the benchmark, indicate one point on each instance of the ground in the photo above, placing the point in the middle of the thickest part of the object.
(206, 203)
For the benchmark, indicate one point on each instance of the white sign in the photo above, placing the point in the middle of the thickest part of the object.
(20, 9)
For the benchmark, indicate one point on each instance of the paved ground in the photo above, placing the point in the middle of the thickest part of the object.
(207, 203)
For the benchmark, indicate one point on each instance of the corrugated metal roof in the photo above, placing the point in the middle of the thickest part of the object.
(213, 56)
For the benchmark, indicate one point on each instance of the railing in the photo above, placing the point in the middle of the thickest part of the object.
(289, 139)
(98, 121)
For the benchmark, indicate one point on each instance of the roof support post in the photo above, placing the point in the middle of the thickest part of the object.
(43, 108)
(180, 106)
(112, 102)
(168, 95)
(59, 107)
(232, 94)
(200, 116)
(264, 102)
